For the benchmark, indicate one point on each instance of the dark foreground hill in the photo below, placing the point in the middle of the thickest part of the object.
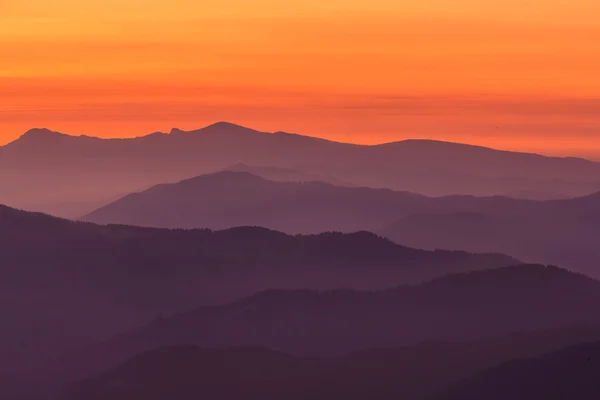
(464, 307)
(571, 373)
(63, 284)
(469, 321)
(406, 372)
(187, 372)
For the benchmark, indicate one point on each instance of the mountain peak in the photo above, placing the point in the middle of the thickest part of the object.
(221, 127)
(176, 131)
(41, 137)
(38, 136)
(41, 132)
(225, 124)
(227, 128)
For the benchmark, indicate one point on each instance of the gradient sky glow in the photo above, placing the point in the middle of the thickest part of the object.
(503, 73)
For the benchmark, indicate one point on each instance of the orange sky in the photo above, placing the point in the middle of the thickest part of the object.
(504, 73)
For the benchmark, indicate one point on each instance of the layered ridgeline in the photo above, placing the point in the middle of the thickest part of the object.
(571, 373)
(189, 373)
(560, 232)
(70, 175)
(64, 283)
(429, 335)
(227, 199)
(458, 307)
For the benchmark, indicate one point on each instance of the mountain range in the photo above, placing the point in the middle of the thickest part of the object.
(67, 283)
(227, 262)
(561, 232)
(411, 341)
(214, 201)
(458, 307)
(189, 372)
(570, 373)
(81, 299)
(71, 175)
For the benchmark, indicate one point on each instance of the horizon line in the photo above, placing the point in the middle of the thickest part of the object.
(231, 124)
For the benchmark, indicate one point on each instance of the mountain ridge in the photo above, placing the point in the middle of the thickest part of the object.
(571, 372)
(67, 175)
(332, 323)
(232, 127)
(260, 373)
(84, 281)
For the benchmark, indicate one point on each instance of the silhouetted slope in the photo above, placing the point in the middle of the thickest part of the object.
(187, 372)
(52, 172)
(464, 307)
(561, 232)
(65, 283)
(226, 199)
(407, 372)
(571, 373)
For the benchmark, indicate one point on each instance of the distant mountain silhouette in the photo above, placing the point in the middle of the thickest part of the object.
(571, 373)
(461, 308)
(227, 199)
(562, 232)
(61, 174)
(65, 284)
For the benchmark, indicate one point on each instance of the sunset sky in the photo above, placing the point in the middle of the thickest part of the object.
(512, 74)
